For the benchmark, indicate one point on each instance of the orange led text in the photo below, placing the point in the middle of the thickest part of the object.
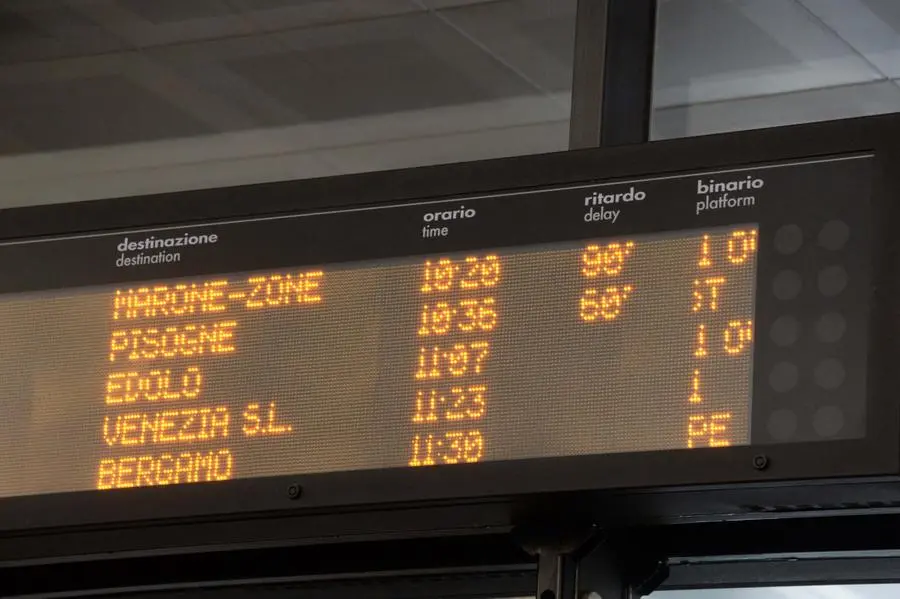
(471, 273)
(164, 384)
(211, 297)
(706, 294)
(187, 425)
(709, 430)
(284, 290)
(609, 260)
(173, 341)
(467, 315)
(458, 403)
(742, 246)
(165, 469)
(183, 299)
(457, 360)
(456, 447)
(738, 336)
(695, 396)
(705, 261)
(700, 350)
(259, 421)
(604, 304)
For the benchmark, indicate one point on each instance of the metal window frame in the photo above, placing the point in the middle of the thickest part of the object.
(613, 72)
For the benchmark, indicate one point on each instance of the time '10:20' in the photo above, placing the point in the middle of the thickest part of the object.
(472, 273)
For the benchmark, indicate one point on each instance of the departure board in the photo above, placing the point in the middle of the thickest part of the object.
(600, 341)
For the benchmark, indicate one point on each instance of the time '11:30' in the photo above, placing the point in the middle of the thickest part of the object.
(456, 447)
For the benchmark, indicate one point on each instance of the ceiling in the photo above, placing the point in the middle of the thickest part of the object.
(725, 65)
(121, 97)
(87, 73)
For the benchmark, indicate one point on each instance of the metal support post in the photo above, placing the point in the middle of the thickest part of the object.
(613, 72)
(584, 563)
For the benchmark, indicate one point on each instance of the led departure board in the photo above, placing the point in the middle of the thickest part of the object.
(428, 336)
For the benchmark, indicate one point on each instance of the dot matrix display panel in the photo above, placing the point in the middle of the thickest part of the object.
(703, 310)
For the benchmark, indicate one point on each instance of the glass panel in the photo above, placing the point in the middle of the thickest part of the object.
(860, 591)
(724, 66)
(126, 96)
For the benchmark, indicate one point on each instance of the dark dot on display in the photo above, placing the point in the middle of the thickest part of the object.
(787, 285)
(829, 374)
(830, 327)
(834, 235)
(832, 280)
(828, 421)
(782, 424)
(785, 331)
(783, 377)
(788, 239)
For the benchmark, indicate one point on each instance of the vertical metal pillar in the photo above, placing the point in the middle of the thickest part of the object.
(619, 568)
(611, 105)
(613, 72)
(584, 563)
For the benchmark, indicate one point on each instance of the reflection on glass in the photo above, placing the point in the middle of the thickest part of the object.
(861, 591)
(224, 93)
(724, 66)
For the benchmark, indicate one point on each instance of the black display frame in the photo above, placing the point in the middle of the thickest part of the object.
(875, 458)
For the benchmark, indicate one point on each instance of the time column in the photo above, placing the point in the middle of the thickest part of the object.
(458, 316)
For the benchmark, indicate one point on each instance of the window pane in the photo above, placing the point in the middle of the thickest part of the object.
(859, 591)
(128, 96)
(725, 65)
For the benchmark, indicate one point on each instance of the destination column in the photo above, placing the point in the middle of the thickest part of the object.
(166, 421)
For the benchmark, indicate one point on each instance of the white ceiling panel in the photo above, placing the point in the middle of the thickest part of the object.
(89, 111)
(714, 50)
(85, 73)
(377, 67)
(41, 187)
(143, 24)
(172, 11)
(437, 4)
(53, 181)
(280, 15)
(486, 130)
(360, 84)
(474, 145)
(533, 38)
(870, 27)
(207, 65)
(776, 110)
(47, 32)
